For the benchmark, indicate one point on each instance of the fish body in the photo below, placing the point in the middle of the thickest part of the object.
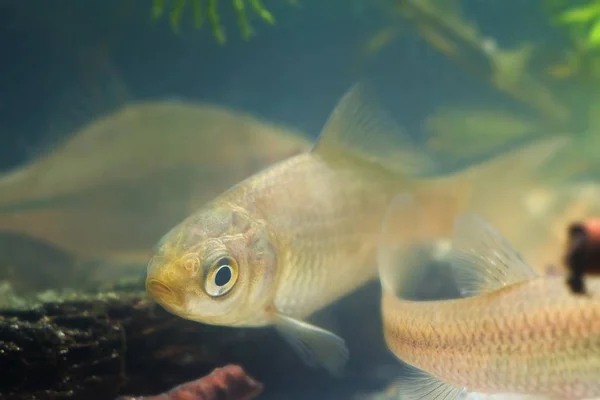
(296, 207)
(292, 238)
(520, 333)
(533, 337)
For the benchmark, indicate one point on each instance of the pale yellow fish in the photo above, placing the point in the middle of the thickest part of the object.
(291, 239)
(301, 234)
(521, 333)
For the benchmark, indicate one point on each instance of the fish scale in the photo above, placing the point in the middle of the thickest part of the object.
(312, 260)
(493, 354)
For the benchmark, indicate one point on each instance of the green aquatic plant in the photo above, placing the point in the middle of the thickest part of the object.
(209, 10)
(555, 87)
(581, 20)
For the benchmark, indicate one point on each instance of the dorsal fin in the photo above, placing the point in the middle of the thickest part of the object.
(482, 259)
(358, 127)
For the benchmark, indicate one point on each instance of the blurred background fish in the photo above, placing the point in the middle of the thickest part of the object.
(159, 160)
(107, 192)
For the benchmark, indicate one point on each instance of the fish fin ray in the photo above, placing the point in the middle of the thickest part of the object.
(482, 259)
(419, 385)
(507, 396)
(316, 346)
(359, 127)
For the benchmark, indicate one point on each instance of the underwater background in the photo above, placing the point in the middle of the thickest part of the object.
(468, 78)
(69, 62)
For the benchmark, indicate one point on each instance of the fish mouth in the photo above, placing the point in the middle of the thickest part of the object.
(163, 293)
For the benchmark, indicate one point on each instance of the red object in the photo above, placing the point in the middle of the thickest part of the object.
(228, 383)
(592, 228)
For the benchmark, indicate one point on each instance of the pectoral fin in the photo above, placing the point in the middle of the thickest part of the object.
(316, 346)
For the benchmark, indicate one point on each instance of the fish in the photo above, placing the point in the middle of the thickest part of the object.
(110, 190)
(293, 238)
(301, 234)
(515, 332)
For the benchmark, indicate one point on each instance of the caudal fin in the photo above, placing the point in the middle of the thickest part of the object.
(501, 191)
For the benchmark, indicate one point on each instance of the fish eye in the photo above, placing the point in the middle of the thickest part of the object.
(221, 277)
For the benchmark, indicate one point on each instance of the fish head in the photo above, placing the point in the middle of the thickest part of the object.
(216, 267)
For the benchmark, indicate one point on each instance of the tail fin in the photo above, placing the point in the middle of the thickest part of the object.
(492, 190)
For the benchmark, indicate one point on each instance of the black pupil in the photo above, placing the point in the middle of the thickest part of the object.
(223, 275)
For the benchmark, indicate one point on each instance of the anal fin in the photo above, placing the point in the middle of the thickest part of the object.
(316, 346)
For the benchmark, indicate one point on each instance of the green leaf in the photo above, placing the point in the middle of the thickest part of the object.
(243, 24)
(581, 14)
(200, 12)
(198, 15)
(215, 22)
(594, 35)
(262, 12)
(158, 7)
(176, 14)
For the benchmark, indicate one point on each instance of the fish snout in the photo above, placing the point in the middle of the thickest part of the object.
(164, 294)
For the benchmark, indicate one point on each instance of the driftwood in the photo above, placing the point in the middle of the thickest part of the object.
(106, 345)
